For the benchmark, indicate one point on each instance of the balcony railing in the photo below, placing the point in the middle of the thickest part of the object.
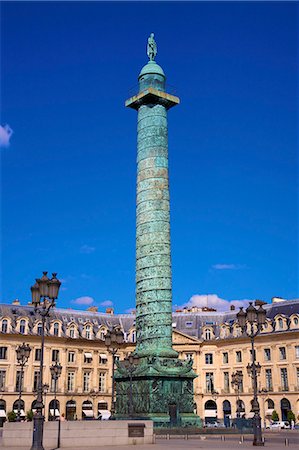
(284, 388)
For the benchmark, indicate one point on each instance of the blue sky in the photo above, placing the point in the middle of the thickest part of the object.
(68, 173)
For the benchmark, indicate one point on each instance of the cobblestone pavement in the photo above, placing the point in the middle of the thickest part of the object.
(275, 441)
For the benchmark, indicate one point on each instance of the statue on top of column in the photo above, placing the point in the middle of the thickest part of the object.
(151, 47)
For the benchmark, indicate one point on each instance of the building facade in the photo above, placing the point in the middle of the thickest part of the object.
(211, 339)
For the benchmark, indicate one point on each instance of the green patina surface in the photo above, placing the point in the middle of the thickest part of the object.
(161, 379)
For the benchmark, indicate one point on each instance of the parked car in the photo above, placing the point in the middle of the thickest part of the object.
(281, 425)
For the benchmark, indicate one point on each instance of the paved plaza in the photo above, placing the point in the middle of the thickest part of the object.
(273, 441)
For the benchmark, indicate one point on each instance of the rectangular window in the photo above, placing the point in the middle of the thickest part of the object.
(297, 351)
(189, 356)
(297, 378)
(250, 351)
(267, 354)
(38, 354)
(209, 382)
(102, 358)
(282, 353)
(225, 358)
(3, 352)
(238, 356)
(18, 381)
(55, 355)
(87, 358)
(269, 385)
(102, 382)
(35, 380)
(284, 379)
(71, 357)
(86, 381)
(71, 381)
(2, 380)
(226, 381)
(209, 358)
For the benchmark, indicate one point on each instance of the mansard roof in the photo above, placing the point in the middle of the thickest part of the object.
(190, 323)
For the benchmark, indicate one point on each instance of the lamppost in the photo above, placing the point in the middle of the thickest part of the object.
(131, 363)
(55, 370)
(264, 392)
(251, 322)
(237, 379)
(23, 353)
(44, 293)
(113, 340)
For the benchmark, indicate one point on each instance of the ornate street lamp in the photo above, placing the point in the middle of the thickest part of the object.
(55, 370)
(23, 353)
(237, 380)
(263, 393)
(131, 363)
(113, 340)
(251, 322)
(44, 293)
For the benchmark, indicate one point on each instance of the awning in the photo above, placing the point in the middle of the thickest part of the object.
(71, 405)
(269, 412)
(57, 414)
(250, 415)
(88, 355)
(2, 413)
(103, 356)
(210, 412)
(87, 412)
(22, 412)
(105, 413)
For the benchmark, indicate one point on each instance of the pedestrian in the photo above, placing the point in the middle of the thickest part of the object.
(62, 418)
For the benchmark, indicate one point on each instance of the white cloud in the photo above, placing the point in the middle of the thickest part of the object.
(213, 301)
(228, 266)
(83, 301)
(5, 135)
(87, 249)
(106, 303)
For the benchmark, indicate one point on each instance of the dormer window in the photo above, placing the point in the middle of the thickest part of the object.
(39, 329)
(22, 326)
(188, 324)
(4, 326)
(280, 324)
(208, 334)
(56, 329)
(72, 331)
(88, 332)
(133, 336)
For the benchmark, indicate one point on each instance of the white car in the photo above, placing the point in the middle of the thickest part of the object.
(283, 424)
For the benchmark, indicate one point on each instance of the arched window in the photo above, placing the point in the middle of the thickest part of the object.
(22, 407)
(39, 329)
(102, 334)
(133, 336)
(87, 410)
(270, 403)
(280, 324)
(4, 326)
(22, 326)
(56, 329)
(296, 321)
(208, 334)
(54, 407)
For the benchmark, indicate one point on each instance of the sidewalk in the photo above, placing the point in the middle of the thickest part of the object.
(175, 443)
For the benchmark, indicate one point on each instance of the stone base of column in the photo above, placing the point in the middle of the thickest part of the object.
(162, 391)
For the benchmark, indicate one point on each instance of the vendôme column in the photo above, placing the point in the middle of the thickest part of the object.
(153, 253)
(161, 385)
